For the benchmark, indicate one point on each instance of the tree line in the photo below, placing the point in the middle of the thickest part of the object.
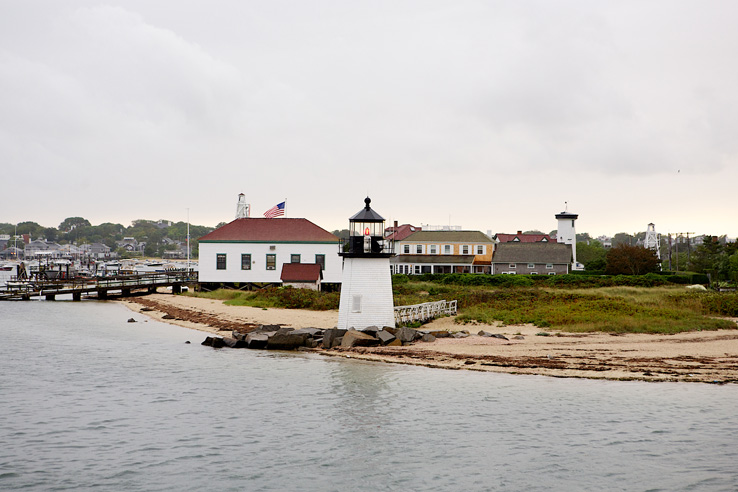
(78, 231)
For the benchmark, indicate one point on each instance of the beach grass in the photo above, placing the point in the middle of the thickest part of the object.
(279, 297)
(664, 309)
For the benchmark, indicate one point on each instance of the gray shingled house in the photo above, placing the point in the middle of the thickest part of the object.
(532, 259)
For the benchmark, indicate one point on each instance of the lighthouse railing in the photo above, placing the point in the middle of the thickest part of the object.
(424, 311)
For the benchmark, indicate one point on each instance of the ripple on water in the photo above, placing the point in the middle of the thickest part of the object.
(118, 406)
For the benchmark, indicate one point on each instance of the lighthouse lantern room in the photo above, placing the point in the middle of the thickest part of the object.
(366, 287)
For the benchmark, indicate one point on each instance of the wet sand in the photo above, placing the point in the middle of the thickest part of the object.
(704, 356)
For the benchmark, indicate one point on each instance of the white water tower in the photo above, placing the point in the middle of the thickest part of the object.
(366, 284)
(567, 232)
(243, 209)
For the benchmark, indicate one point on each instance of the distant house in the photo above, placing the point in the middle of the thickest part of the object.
(130, 244)
(99, 250)
(253, 250)
(302, 275)
(537, 258)
(11, 253)
(443, 252)
(37, 247)
(398, 233)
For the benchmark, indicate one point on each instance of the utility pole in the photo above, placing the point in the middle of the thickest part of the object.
(188, 240)
(679, 234)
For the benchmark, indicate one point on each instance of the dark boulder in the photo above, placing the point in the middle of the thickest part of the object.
(330, 335)
(233, 342)
(215, 342)
(407, 335)
(312, 332)
(487, 334)
(256, 340)
(355, 338)
(371, 330)
(286, 339)
(385, 337)
(131, 320)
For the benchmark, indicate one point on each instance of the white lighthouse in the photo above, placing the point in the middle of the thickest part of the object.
(243, 209)
(366, 288)
(567, 233)
(653, 240)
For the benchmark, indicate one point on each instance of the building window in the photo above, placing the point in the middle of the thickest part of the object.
(433, 250)
(446, 249)
(294, 258)
(320, 260)
(549, 266)
(512, 265)
(245, 262)
(480, 249)
(406, 249)
(271, 263)
(552, 273)
(417, 269)
(220, 261)
(356, 304)
(465, 250)
(531, 265)
(419, 249)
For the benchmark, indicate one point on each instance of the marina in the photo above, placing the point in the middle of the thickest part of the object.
(99, 287)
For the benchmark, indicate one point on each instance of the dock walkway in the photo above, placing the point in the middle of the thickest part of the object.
(102, 287)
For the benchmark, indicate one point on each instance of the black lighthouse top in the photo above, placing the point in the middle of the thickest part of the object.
(366, 235)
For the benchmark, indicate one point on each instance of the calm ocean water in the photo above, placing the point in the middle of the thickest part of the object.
(91, 402)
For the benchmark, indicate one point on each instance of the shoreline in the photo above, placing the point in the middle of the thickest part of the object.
(703, 356)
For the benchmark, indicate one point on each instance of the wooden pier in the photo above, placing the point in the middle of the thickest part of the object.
(102, 287)
(424, 312)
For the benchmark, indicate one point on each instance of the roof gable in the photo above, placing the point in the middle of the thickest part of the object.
(284, 230)
(401, 232)
(301, 272)
(523, 238)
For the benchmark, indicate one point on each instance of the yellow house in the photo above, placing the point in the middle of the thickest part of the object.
(443, 252)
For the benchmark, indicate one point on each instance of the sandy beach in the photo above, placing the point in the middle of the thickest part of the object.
(705, 356)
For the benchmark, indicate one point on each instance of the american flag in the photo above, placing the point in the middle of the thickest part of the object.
(275, 211)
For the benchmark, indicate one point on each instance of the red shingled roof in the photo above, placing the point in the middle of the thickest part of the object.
(401, 232)
(523, 238)
(271, 230)
(301, 272)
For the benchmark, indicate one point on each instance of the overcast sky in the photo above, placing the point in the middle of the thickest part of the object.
(484, 114)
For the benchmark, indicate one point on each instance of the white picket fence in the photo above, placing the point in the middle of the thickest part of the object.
(425, 311)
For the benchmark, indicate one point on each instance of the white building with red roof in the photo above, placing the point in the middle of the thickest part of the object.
(253, 251)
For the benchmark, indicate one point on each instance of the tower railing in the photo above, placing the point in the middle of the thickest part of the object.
(386, 246)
